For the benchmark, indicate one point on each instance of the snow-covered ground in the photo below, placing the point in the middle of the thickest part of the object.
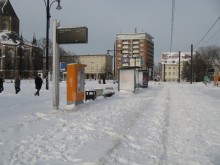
(165, 124)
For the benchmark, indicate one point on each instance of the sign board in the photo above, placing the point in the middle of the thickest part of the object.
(74, 35)
(62, 66)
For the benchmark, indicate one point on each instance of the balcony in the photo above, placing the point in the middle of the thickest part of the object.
(135, 51)
(136, 47)
(125, 51)
(125, 47)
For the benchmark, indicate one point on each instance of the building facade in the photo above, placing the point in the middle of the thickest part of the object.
(134, 49)
(18, 56)
(97, 65)
(172, 65)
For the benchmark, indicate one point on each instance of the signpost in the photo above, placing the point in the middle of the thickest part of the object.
(73, 35)
(65, 36)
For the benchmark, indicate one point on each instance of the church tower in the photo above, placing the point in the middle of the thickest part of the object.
(18, 57)
(8, 18)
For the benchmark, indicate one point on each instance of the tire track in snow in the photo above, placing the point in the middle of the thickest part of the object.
(165, 134)
(137, 154)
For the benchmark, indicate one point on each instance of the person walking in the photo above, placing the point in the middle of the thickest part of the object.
(1, 83)
(38, 84)
(17, 84)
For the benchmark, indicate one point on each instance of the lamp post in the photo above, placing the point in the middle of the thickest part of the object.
(113, 60)
(48, 6)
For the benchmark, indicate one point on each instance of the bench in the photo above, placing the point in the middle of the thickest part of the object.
(108, 92)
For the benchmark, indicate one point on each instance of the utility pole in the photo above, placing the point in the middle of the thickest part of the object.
(191, 77)
(164, 67)
(179, 66)
(114, 64)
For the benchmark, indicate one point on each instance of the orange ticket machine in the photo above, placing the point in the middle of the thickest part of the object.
(75, 80)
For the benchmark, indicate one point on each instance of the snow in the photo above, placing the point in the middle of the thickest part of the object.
(166, 123)
(12, 38)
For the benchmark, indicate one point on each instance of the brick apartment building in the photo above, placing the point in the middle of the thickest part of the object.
(134, 49)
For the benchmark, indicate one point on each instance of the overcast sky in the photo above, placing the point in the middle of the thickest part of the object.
(106, 18)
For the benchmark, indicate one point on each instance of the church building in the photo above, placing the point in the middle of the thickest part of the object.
(18, 57)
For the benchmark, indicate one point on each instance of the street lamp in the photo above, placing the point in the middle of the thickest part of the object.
(113, 61)
(48, 6)
(114, 51)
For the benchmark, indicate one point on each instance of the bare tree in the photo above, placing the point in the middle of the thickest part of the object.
(41, 43)
(211, 54)
(203, 62)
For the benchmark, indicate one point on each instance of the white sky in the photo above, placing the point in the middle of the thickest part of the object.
(105, 19)
(166, 123)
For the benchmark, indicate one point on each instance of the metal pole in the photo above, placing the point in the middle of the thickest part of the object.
(164, 67)
(191, 64)
(179, 66)
(47, 42)
(114, 64)
(56, 69)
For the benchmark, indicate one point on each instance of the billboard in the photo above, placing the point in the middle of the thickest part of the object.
(127, 79)
(173, 57)
(72, 35)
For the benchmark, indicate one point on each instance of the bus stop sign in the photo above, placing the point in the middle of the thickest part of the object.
(74, 35)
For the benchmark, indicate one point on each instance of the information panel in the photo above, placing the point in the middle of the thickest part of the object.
(72, 35)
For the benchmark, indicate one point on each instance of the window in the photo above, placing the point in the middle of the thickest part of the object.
(5, 25)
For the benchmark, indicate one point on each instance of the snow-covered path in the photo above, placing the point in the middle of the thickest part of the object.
(194, 132)
(165, 124)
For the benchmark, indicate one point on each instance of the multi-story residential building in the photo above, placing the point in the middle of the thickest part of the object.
(134, 49)
(172, 65)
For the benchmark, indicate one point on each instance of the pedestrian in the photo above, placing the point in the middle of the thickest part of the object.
(1, 83)
(38, 84)
(17, 84)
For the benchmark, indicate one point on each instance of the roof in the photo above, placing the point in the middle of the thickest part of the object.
(11, 38)
(6, 9)
(131, 36)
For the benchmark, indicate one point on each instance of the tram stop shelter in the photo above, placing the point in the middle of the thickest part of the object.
(132, 78)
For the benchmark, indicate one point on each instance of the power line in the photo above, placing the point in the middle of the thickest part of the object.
(212, 36)
(207, 32)
(172, 23)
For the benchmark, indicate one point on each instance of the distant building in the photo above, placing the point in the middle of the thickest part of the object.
(18, 56)
(97, 65)
(134, 49)
(170, 65)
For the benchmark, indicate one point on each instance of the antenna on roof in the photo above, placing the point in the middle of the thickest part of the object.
(135, 29)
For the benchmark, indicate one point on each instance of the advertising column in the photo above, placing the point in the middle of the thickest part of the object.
(75, 83)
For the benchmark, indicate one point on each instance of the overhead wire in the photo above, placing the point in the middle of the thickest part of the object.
(172, 24)
(207, 32)
(212, 36)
